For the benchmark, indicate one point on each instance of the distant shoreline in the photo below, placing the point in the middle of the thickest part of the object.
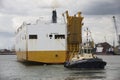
(9, 53)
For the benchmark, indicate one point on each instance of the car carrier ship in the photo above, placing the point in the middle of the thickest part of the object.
(49, 42)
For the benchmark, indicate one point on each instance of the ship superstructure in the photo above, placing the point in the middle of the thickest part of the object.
(49, 42)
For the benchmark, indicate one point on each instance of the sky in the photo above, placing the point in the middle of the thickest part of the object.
(97, 16)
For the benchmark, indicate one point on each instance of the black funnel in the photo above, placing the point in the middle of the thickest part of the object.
(54, 16)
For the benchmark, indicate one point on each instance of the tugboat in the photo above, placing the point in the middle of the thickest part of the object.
(85, 58)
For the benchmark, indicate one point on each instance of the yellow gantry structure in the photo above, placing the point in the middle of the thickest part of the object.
(74, 33)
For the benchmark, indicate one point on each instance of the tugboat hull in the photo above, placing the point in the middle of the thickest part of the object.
(95, 63)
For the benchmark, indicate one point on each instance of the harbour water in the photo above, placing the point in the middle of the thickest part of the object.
(11, 69)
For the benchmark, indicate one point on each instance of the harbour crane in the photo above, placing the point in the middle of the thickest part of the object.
(117, 50)
(116, 29)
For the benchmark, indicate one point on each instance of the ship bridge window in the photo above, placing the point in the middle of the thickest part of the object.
(32, 36)
(59, 36)
(50, 36)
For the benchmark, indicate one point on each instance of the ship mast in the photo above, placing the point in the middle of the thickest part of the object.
(90, 41)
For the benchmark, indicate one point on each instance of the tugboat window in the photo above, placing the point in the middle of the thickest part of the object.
(32, 36)
(85, 50)
(89, 51)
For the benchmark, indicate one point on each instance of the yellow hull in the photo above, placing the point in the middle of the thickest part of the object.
(43, 56)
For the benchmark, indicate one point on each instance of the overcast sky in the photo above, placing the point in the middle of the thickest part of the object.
(97, 16)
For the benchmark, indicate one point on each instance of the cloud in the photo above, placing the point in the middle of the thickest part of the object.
(37, 7)
(98, 14)
(101, 26)
(6, 23)
(6, 31)
(24, 7)
(106, 7)
(6, 42)
(6, 34)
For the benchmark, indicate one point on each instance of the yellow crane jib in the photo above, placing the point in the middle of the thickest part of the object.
(74, 30)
